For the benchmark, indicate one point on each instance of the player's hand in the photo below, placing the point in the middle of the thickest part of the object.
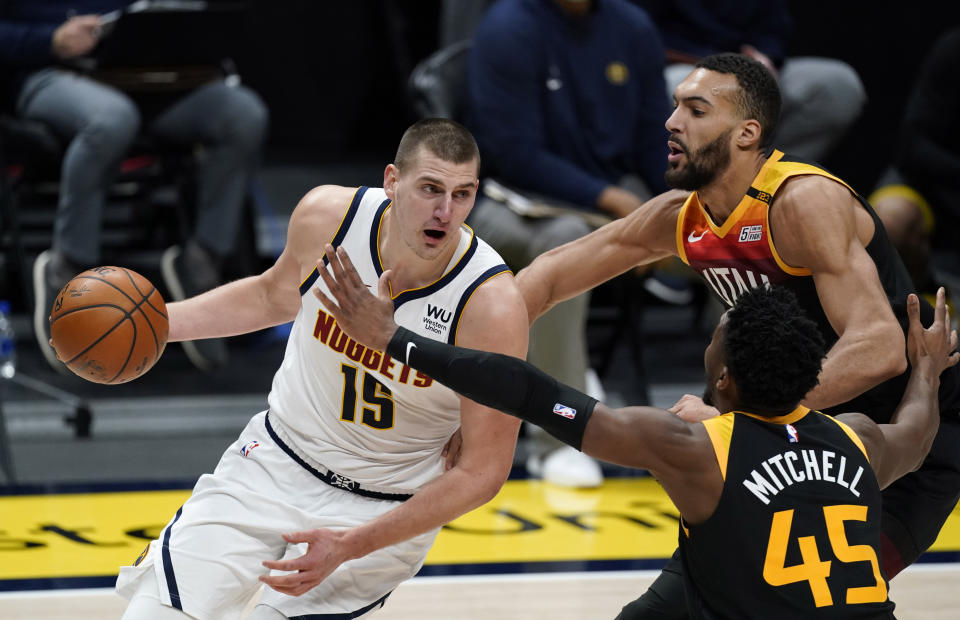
(76, 36)
(365, 317)
(691, 408)
(324, 554)
(451, 450)
(933, 349)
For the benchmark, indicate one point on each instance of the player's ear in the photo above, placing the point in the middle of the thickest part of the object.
(391, 174)
(723, 382)
(749, 133)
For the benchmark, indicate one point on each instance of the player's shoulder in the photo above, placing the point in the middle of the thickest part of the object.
(497, 295)
(496, 302)
(317, 217)
(327, 198)
(865, 429)
(813, 193)
(322, 207)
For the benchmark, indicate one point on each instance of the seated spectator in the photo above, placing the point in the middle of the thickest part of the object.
(99, 124)
(822, 97)
(918, 199)
(567, 102)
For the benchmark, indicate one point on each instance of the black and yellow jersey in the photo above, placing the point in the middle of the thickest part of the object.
(741, 253)
(796, 533)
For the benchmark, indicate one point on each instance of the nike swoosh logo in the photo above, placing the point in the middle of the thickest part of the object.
(410, 346)
(693, 238)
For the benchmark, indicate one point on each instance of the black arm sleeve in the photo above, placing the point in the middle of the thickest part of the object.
(502, 382)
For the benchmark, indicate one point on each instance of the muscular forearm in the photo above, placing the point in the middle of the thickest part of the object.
(236, 308)
(853, 367)
(453, 494)
(502, 382)
(919, 411)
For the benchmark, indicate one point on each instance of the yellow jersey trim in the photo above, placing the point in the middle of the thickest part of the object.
(790, 418)
(720, 429)
(681, 220)
(851, 434)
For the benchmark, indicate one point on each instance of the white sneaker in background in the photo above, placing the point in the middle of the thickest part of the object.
(568, 467)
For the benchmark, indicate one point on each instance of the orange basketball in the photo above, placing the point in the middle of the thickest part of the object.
(109, 325)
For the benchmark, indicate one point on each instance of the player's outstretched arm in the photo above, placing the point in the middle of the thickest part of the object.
(644, 236)
(272, 297)
(899, 447)
(643, 437)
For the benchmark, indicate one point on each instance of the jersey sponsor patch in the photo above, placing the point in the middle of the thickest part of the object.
(437, 319)
(567, 412)
(751, 233)
(792, 434)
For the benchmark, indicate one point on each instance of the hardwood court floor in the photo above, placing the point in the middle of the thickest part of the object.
(924, 592)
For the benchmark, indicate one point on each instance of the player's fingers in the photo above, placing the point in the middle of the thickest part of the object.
(940, 312)
(913, 313)
(282, 583)
(384, 285)
(328, 303)
(328, 279)
(286, 565)
(298, 537)
(341, 298)
(349, 270)
(334, 261)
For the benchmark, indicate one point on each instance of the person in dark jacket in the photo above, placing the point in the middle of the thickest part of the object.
(40, 42)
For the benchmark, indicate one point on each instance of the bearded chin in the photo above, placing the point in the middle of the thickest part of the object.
(689, 178)
(703, 165)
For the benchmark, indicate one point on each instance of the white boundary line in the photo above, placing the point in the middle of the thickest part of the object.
(466, 579)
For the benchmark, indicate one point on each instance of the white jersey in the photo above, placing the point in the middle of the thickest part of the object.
(359, 412)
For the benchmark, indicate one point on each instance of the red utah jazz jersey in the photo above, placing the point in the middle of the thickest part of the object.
(740, 253)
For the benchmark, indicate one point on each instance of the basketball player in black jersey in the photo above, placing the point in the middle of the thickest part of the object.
(780, 505)
(818, 238)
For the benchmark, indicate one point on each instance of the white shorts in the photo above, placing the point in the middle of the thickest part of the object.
(208, 557)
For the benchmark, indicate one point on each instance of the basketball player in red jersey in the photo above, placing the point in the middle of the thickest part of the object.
(748, 214)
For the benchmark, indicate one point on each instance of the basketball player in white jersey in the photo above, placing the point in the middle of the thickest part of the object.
(340, 487)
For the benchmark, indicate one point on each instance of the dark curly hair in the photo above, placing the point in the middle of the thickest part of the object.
(773, 351)
(759, 96)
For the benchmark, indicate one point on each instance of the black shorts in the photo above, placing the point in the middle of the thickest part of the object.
(916, 506)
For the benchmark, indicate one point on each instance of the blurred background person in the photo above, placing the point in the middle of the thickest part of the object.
(567, 101)
(822, 97)
(41, 42)
(918, 198)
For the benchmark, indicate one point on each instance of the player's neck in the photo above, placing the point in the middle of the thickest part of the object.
(723, 194)
(411, 271)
